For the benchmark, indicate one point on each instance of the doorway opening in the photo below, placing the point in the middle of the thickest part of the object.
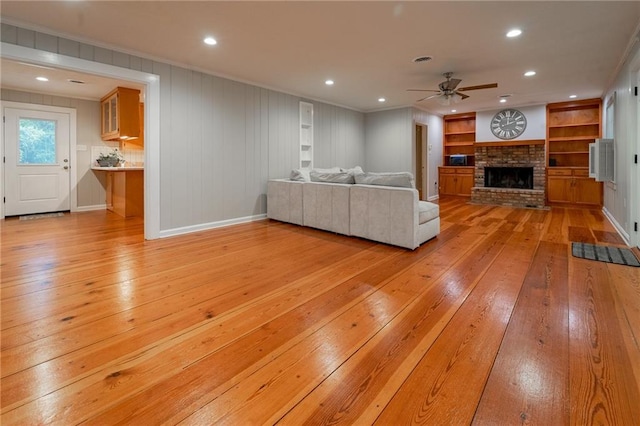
(151, 119)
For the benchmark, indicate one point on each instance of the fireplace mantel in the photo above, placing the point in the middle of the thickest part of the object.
(511, 143)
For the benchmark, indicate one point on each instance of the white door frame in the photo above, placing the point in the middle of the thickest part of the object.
(634, 186)
(151, 119)
(425, 155)
(73, 177)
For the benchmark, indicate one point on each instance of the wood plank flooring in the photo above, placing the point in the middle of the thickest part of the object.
(492, 322)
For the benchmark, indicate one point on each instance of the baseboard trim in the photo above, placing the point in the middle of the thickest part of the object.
(90, 208)
(433, 198)
(210, 225)
(616, 225)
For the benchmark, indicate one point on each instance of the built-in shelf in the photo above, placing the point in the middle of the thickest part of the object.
(571, 127)
(306, 135)
(459, 136)
(574, 138)
(569, 153)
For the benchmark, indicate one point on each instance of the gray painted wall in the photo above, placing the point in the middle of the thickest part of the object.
(389, 141)
(220, 140)
(618, 198)
(342, 134)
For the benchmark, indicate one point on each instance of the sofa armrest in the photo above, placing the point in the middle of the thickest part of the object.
(386, 214)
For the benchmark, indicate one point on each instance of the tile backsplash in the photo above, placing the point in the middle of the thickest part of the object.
(132, 157)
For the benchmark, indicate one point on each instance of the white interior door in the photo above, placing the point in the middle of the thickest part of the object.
(37, 178)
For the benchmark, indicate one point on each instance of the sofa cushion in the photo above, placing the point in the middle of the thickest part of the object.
(301, 175)
(427, 211)
(400, 179)
(331, 177)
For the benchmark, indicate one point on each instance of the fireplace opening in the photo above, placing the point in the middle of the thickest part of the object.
(508, 177)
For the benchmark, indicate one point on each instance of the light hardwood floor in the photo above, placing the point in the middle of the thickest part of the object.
(492, 322)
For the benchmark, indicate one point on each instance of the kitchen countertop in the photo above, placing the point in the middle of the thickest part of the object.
(117, 169)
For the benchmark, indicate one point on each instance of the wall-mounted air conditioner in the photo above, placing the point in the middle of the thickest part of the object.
(601, 160)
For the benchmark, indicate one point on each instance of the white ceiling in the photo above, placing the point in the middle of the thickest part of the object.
(22, 76)
(366, 47)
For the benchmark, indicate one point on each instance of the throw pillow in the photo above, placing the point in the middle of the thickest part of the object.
(354, 171)
(402, 179)
(332, 177)
(301, 175)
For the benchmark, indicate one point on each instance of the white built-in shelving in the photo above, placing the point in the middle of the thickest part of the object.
(306, 135)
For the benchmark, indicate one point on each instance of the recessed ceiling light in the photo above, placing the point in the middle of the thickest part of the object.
(42, 79)
(503, 101)
(329, 82)
(529, 73)
(573, 96)
(210, 41)
(381, 99)
(454, 110)
(514, 32)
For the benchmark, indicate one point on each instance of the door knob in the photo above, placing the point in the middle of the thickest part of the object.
(66, 167)
(65, 160)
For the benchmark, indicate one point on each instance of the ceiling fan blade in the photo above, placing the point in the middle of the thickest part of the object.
(421, 90)
(462, 95)
(429, 97)
(480, 86)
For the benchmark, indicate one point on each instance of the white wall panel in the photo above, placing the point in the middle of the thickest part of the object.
(536, 124)
(338, 136)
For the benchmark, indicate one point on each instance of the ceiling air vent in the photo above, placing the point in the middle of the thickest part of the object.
(422, 59)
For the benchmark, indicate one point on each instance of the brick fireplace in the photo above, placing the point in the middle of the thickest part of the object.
(509, 158)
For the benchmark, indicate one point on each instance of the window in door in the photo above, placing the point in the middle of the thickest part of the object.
(37, 141)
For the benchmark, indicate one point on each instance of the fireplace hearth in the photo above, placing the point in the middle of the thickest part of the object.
(508, 177)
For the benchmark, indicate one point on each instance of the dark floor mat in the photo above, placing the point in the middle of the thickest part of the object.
(620, 256)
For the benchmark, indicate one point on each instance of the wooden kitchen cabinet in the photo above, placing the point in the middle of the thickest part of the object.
(135, 143)
(573, 186)
(125, 192)
(456, 180)
(120, 112)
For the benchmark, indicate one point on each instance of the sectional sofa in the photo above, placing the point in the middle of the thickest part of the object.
(381, 207)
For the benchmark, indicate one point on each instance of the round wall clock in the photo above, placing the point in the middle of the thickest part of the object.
(508, 124)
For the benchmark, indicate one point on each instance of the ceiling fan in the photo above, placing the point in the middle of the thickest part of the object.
(448, 92)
